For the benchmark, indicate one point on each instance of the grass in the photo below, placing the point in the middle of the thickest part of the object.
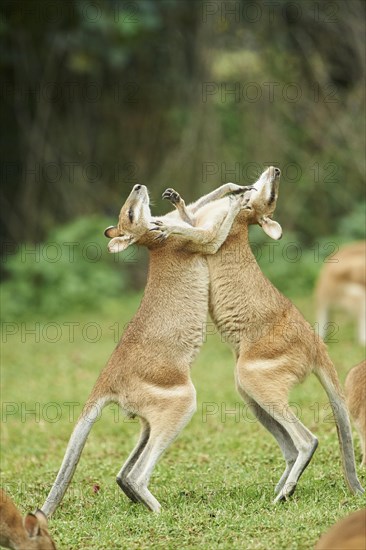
(215, 482)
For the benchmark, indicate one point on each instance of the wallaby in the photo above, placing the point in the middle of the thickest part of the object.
(148, 374)
(274, 346)
(348, 533)
(355, 386)
(342, 282)
(30, 533)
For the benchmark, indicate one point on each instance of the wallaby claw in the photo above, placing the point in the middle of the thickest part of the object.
(157, 224)
(161, 237)
(243, 189)
(159, 227)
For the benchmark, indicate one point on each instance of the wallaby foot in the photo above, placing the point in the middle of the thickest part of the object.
(128, 491)
(301, 463)
(144, 496)
(122, 477)
(283, 479)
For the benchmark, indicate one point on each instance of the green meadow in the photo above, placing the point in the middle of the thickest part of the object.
(216, 481)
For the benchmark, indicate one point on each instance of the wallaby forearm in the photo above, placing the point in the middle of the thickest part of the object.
(208, 241)
(207, 238)
(218, 193)
(187, 213)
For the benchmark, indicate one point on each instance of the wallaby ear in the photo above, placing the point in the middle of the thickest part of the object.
(111, 232)
(42, 518)
(271, 228)
(31, 525)
(118, 244)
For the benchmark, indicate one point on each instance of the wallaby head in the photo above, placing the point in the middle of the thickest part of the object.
(28, 533)
(133, 223)
(37, 530)
(262, 203)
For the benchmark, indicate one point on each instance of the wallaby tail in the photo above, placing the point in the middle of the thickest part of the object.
(88, 417)
(328, 377)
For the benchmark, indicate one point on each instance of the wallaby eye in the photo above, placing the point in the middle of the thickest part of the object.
(130, 215)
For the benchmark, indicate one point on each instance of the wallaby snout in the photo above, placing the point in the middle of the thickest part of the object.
(138, 194)
(266, 181)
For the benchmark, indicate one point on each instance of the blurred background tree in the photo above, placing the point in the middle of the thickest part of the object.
(99, 95)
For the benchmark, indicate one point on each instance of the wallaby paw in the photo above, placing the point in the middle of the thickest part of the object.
(162, 230)
(171, 195)
(243, 189)
(155, 224)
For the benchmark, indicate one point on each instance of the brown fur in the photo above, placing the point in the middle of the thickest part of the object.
(30, 533)
(355, 387)
(148, 373)
(342, 282)
(274, 346)
(347, 534)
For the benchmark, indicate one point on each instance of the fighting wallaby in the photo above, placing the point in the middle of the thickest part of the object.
(355, 387)
(30, 533)
(348, 533)
(342, 282)
(274, 346)
(148, 374)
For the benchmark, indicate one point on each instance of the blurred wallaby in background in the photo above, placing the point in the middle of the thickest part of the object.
(342, 282)
(347, 534)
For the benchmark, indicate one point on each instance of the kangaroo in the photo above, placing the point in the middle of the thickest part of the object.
(342, 282)
(148, 374)
(274, 346)
(347, 534)
(355, 386)
(29, 533)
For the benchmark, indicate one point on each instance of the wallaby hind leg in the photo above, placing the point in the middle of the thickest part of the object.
(130, 462)
(272, 397)
(166, 421)
(282, 437)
